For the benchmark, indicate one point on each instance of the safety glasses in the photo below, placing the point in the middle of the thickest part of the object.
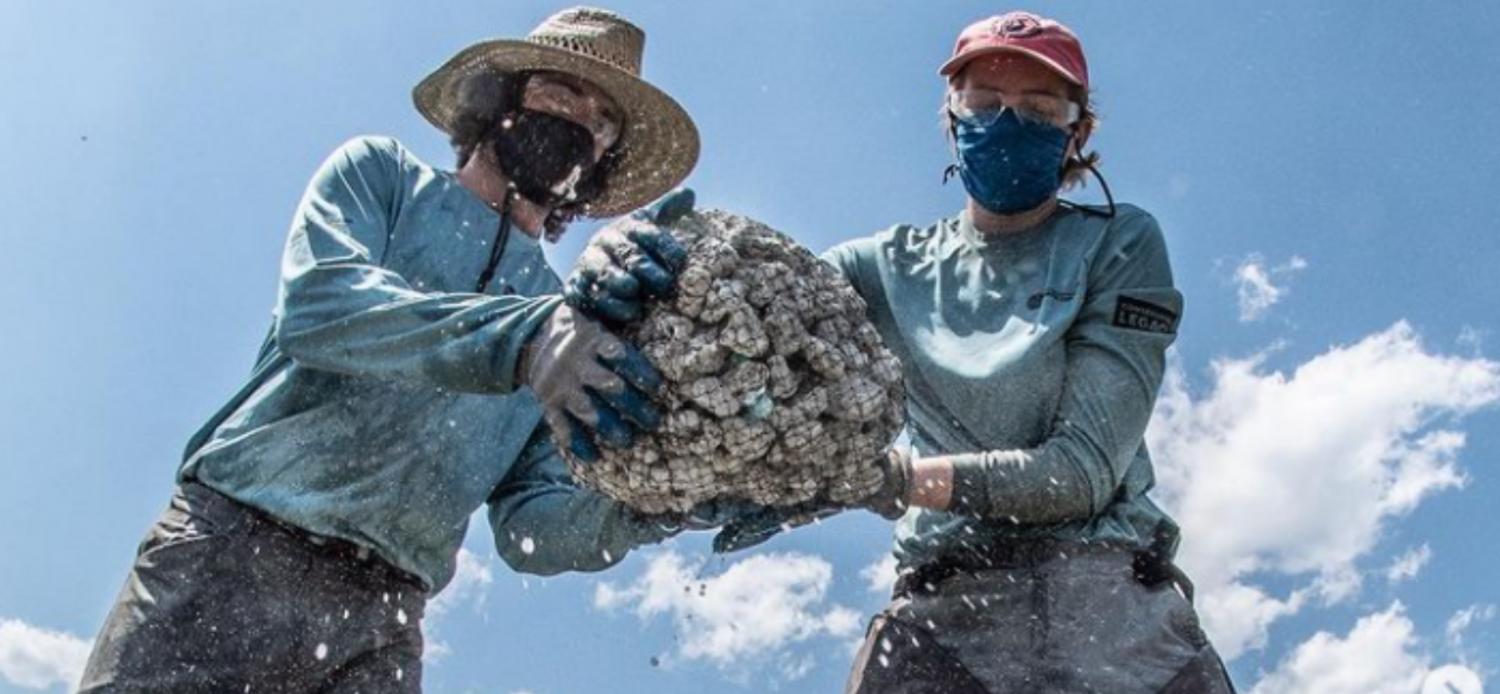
(983, 107)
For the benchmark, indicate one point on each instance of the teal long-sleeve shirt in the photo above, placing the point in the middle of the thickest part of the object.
(384, 408)
(1032, 360)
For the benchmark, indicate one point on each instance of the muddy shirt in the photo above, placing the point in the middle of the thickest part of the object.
(1033, 359)
(384, 408)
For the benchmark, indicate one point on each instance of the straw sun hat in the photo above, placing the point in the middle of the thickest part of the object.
(658, 145)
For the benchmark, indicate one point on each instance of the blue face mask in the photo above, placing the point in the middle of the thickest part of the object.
(1011, 165)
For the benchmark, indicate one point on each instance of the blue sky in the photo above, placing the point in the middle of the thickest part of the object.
(1323, 172)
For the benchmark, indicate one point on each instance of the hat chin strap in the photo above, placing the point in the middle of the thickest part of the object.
(502, 235)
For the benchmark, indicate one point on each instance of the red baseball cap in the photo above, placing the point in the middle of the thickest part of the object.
(1024, 33)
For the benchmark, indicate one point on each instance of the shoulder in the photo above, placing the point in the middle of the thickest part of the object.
(1128, 244)
(1127, 219)
(1129, 228)
(373, 152)
(1130, 220)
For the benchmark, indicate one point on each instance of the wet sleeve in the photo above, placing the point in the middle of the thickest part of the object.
(545, 524)
(849, 258)
(340, 310)
(1116, 354)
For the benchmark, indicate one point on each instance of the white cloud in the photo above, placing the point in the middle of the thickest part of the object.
(748, 615)
(1464, 619)
(470, 586)
(1259, 288)
(471, 582)
(1378, 656)
(1408, 565)
(793, 668)
(1297, 474)
(1471, 338)
(881, 576)
(35, 658)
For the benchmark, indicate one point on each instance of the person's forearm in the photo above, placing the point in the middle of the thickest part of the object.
(464, 342)
(973, 484)
(1043, 485)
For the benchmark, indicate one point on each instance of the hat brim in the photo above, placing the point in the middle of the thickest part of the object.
(958, 62)
(658, 146)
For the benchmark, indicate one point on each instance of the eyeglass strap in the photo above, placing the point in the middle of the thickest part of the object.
(1108, 196)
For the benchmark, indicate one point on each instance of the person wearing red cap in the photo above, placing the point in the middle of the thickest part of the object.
(1032, 332)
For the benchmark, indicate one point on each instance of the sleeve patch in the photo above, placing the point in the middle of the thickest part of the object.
(1144, 316)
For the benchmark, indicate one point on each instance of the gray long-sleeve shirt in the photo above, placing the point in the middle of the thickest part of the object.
(1033, 359)
(384, 408)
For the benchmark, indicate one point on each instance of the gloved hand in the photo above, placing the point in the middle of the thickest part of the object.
(587, 379)
(711, 515)
(708, 515)
(891, 500)
(630, 260)
(766, 523)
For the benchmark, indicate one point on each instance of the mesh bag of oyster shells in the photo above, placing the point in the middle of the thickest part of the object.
(778, 389)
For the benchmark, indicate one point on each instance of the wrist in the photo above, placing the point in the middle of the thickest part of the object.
(526, 356)
(931, 483)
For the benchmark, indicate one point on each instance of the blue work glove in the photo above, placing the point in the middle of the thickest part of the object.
(711, 515)
(589, 382)
(764, 524)
(889, 501)
(629, 261)
(708, 515)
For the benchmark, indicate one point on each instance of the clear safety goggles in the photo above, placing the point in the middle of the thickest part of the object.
(983, 107)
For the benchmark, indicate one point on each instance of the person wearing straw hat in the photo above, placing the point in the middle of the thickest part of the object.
(1032, 333)
(419, 358)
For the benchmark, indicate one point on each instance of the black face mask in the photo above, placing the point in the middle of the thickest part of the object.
(549, 159)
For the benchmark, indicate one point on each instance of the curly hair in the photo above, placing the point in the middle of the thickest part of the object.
(483, 99)
(1076, 168)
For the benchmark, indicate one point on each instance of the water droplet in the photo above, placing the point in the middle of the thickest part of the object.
(528, 545)
(401, 616)
(321, 652)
